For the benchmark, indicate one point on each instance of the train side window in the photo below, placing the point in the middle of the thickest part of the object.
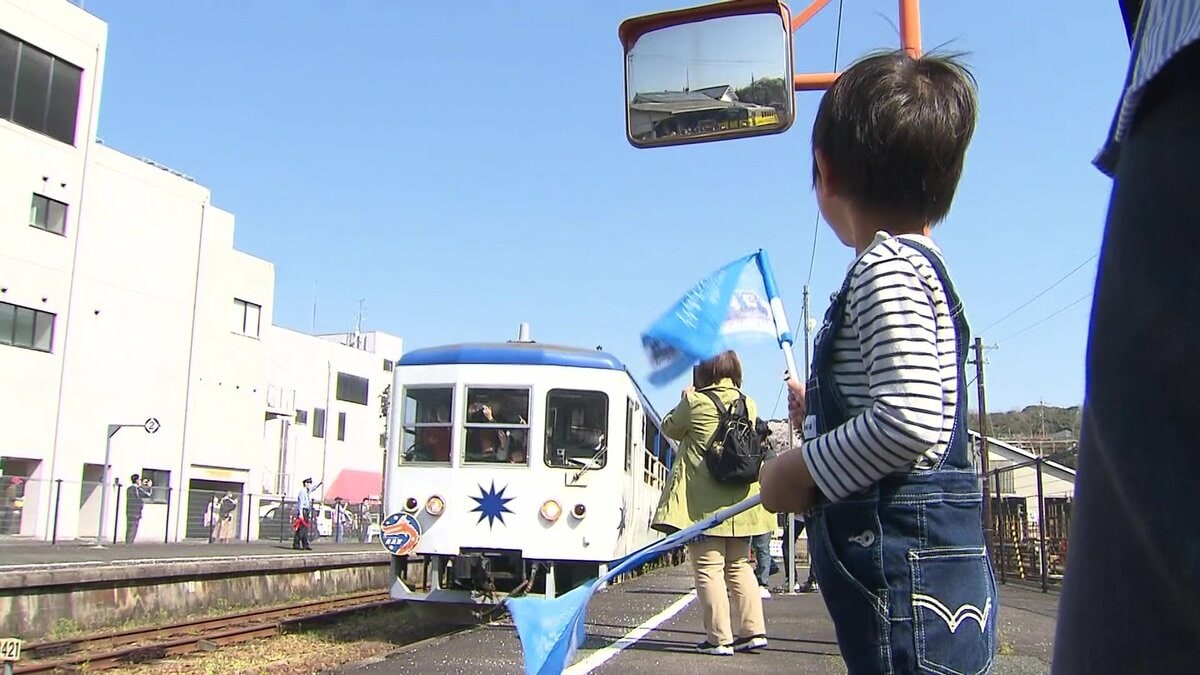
(576, 429)
(427, 425)
(497, 426)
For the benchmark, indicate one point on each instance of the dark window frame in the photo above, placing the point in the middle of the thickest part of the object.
(318, 425)
(341, 428)
(52, 109)
(48, 206)
(348, 387)
(39, 316)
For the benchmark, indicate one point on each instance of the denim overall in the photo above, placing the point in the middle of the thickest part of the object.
(902, 565)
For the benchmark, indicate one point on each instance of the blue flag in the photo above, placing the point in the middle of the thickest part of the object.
(737, 301)
(551, 631)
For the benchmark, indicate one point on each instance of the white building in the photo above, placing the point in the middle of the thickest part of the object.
(122, 298)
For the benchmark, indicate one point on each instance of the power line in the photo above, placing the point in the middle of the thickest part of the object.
(1035, 325)
(1045, 291)
(837, 47)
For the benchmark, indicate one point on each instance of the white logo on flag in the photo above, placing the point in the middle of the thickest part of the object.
(748, 313)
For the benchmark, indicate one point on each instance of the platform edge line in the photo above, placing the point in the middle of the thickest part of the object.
(601, 656)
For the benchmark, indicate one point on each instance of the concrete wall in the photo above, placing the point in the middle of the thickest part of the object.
(32, 604)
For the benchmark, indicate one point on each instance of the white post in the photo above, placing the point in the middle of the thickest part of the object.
(101, 535)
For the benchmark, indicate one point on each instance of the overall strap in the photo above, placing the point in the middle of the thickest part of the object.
(939, 268)
(956, 453)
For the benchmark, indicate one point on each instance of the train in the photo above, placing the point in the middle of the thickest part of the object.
(516, 468)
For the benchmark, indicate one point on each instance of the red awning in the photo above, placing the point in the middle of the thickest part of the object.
(353, 486)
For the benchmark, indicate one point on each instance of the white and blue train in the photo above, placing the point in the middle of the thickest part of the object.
(516, 468)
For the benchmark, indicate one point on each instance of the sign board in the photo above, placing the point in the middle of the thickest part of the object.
(400, 533)
(10, 649)
(151, 425)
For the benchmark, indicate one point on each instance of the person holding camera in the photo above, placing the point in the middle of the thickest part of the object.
(136, 494)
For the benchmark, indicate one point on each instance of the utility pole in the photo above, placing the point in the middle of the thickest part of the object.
(983, 451)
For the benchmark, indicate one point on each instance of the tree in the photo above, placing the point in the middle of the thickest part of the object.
(772, 91)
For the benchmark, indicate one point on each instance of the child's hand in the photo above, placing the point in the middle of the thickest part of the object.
(797, 406)
(786, 484)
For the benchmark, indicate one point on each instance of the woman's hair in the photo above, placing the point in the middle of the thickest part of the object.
(725, 364)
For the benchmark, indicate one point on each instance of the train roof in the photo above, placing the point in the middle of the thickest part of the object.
(522, 354)
(512, 353)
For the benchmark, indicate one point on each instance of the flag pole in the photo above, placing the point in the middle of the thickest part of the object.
(782, 330)
(784, 333)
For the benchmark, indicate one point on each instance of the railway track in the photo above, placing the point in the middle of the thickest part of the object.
(115, 649)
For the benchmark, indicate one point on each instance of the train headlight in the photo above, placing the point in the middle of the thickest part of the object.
(435, 506)
(550, 510)
(578, 512)
(411, 504)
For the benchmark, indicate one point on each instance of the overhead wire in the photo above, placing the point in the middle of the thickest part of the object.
(812, 259)
(1044, 291)
(1044, 320)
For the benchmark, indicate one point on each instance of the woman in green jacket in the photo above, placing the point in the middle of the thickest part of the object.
(720, 559)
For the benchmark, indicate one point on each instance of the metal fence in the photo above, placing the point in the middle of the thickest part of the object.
(1031, 522)
(63, 510)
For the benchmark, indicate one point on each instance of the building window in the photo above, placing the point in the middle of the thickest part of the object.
(576, 424)
(629, 410)
(388, 365)
(246, 317)
(160, 482)
(25, 327)
(38, 90)
(318, 425)
(48, 214)
(341, 426)
(352, 388)
(425, 431)
(301, 417)
(383, 441)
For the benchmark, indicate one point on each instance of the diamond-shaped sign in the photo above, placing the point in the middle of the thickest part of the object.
(151, 425)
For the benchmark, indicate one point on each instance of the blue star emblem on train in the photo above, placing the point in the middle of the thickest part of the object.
(491, 505)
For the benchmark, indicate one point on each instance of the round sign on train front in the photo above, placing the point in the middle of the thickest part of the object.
(400, 533)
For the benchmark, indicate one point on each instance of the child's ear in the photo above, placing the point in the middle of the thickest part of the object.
(826, 182)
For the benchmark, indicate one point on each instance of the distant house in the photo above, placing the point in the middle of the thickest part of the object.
(667, 113)
(1015, 511)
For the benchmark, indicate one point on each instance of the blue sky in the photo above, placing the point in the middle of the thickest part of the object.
(463, 168)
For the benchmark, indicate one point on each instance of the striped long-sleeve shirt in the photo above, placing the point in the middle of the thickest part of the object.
(896, 368)
(1158, 31)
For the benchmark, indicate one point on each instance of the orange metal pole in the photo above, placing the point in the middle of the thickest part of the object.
(808, 13)
(813, 81)
(910, 27)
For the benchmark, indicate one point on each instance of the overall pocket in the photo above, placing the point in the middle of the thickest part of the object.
(847, 555)
(954, 609)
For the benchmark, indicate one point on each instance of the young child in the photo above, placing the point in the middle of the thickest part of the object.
(884, 473)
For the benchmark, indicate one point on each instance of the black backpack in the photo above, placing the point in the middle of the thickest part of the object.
(734, 454)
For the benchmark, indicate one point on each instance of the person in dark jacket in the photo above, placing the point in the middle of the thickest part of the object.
(135, 498)
(764, 566)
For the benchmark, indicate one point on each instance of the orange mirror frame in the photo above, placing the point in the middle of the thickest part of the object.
(910, 28)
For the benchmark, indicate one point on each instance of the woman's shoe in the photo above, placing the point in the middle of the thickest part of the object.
(750, 643)
(707, 647)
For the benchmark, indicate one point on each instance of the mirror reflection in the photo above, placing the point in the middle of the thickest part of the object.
(719, 78)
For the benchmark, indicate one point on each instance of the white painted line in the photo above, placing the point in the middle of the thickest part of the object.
(600, 656)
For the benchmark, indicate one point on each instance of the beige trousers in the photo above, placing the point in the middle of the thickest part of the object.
(725, 585)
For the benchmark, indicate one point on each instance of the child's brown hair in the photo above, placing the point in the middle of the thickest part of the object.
(894, 131)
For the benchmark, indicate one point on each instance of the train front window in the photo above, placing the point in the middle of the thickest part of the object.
(576, 429)
(427, 425)
(497, 426)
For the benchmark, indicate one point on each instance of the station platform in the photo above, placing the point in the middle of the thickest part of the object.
(45, 587)
(651, 624)
(26, 565)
